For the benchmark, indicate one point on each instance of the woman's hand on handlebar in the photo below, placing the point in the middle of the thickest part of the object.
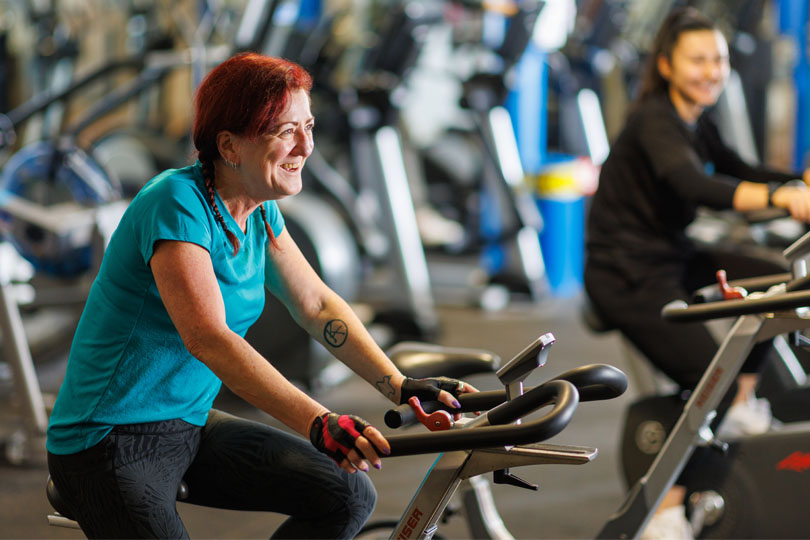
(795, 199)
(442, 389)
(349, 440)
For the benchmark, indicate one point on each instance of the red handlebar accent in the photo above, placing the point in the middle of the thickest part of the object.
(436, 421)
(729, 293)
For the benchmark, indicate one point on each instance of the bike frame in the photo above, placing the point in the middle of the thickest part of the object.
(419, 521)
(692, 427)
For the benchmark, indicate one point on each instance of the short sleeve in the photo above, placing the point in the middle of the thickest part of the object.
(170, 209)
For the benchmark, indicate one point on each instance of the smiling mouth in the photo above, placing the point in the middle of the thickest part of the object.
(290, 167)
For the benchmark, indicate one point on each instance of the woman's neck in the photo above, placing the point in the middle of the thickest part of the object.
(688, 110)
(230, 189)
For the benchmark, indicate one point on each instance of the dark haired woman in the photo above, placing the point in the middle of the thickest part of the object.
(668, 160)
(182, 280)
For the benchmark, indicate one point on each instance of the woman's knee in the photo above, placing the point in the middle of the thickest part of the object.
(364, 496)
(357, 504)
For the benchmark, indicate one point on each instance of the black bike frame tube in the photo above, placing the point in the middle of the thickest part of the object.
(42, 101)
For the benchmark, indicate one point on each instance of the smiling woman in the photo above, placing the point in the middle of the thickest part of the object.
(248, 143)
(183, 278)
(697, 69)
(668, 160)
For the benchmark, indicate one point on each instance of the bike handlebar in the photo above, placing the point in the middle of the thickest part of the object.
(562, 394)
(585, 383)
(680, 311)
(593, 382)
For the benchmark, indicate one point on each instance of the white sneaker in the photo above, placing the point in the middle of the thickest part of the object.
(437, 230)
(668, 524)
(750, 417)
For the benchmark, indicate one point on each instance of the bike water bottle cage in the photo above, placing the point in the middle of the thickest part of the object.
(336, 434)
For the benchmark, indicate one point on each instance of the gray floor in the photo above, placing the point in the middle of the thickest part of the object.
(573, 501)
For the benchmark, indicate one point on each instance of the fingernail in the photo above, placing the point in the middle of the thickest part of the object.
(386, 451)
(378, 466)
(456, 404)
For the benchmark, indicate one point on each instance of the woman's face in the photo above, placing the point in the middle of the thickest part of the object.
(698, 68)
(273, 162)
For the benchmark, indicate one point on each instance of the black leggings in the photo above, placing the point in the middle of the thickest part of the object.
(682, 351)
(126, 485)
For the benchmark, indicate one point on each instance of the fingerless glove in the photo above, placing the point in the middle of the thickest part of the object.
(336, 434)
(428, 389)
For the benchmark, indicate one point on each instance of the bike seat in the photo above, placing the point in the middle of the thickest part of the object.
(56, 500)
(593, 320)
(58, 503)
(420, 360)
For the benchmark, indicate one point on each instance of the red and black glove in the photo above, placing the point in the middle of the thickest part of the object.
(428, 389)
(336, 434)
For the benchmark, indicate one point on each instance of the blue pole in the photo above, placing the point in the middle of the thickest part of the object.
(528, 107)
(793, 22)
(309, 12)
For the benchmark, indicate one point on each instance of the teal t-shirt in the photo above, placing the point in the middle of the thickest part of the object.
(127, 362)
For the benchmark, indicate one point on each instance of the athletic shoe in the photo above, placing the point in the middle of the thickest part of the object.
(437, 230)
(668, 524)
(750, 417)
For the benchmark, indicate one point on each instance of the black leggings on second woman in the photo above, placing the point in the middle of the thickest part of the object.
(126, 485)
(682, 351)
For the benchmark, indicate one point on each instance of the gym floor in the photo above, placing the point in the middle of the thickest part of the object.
(572, 502)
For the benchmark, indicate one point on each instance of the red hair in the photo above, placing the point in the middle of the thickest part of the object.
(244, 95)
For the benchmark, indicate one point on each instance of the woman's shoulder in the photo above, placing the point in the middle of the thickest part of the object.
(184, 183)
(655, 109)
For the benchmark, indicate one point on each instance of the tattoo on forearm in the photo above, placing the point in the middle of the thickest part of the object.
(385, 387)
(335, 332)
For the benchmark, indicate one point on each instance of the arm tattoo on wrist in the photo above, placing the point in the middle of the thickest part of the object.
(335, 333)
(385, 387)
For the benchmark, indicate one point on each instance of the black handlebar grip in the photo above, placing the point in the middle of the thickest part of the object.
(680, 311)
(562, 394)
(596, 381)
(403, 415)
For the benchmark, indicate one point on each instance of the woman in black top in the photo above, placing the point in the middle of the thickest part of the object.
(668, 160)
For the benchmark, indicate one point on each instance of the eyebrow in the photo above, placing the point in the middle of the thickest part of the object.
(307, 121)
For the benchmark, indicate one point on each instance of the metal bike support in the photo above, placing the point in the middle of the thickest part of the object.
(18, 355)
(426, 507)
(410, 254)
(691, 428)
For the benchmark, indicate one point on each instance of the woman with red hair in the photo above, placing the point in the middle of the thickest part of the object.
(182, 279)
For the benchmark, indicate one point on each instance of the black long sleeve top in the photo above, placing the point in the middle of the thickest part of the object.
(659, 170)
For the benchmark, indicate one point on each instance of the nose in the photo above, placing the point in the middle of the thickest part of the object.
(716, 69)
(304, 143)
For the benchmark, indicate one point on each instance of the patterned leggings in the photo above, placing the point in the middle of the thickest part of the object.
(126, 485)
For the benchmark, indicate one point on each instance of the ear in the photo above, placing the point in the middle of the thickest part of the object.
(664, 67)
(228, 146)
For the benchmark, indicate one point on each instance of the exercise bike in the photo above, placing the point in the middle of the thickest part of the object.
(755, 485)
(493, 442)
